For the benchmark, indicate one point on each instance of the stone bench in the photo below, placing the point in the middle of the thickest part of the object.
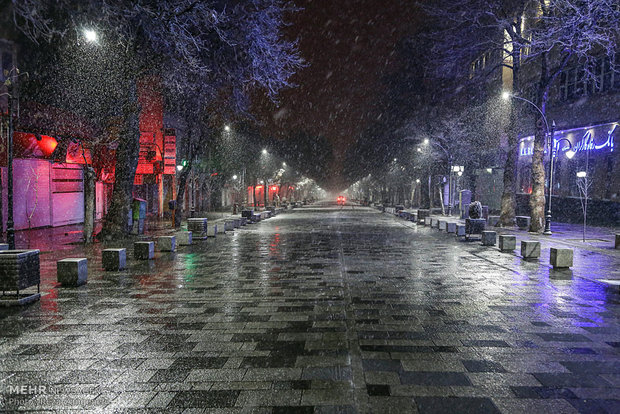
(144, 250)
(451, 227)
(443, 225)
(434, 222)
(247, 213)
(427, 221)
(523, 222)
(4, 246)
(530, 249)
(20, 269)
(114, 259)
(460, 230)
(492, 221)
(561, 258)
(422, 214)
(212, 230)
(198, 226)
(166, 243)
(72, 271)
(256, 217)
(229, 225)
(184, 238)
(488, 238)
(507, 242)
(243, 221)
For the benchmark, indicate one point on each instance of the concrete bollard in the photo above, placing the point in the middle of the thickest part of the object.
(244, 221)
(72, 271)
(507, 242)
(493, 220)
(488, 238)
(166, 243)
(460, 230)
(530, 249)
(212, 230)
(442, 225)
(185, 238)
(561, 258)
(451, 227)
(144, 250)
(237, 223)
(114, 259)
(229, 225)
(427, 221)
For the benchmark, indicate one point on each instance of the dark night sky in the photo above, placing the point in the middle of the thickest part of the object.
(348, 45)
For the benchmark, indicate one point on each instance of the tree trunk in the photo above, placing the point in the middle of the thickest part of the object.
(89, 204)
(537, 197)
(508, 203)
(117, 220)
(507, 215)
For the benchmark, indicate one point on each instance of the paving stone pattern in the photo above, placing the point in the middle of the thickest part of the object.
(321, 310)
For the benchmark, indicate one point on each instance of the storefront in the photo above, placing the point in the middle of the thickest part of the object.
(589, 149)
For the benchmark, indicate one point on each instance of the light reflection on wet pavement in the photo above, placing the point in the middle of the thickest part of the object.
(318, 310)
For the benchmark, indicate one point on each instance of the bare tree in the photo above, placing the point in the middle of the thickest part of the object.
(205, 45)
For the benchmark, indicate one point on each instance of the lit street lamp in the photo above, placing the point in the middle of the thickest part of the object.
(90, 35)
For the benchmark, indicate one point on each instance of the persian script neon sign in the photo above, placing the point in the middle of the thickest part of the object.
(586, 143)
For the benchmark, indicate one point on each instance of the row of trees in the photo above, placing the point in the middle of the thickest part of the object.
(209, 56)
(534, 41)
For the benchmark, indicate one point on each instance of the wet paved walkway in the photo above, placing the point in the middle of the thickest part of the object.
(319, 310)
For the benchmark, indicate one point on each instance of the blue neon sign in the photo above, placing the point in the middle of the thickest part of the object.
(586, 143)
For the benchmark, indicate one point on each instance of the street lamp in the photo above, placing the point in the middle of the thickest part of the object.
(264, 151)
(227, 128)
(90, 35)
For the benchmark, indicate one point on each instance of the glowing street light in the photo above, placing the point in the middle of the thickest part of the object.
(90, 35)
(264, 152)
(284, 164)
(582, 174)
(227, 128)
(234, 177)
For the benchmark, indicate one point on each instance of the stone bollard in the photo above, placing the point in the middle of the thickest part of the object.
(488, 238)
(530, 249)
(443, 225)
(507, 242)
(561, 258)
(212, 230)
(144, 250)
(427, 221)
(460, 230)
(197, 225)
(185, 238)
(166, 243)
(229, 225)
(451, 227)
(72, 271)
(617, 245)
(523, 222)
(237, 223)
(244, 221)
(4, 246)
(114, 259)
(493, 220)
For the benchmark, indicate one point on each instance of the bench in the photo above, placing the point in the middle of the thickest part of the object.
(212, 230)
(144, 250)
(493, 220)
(198, 226)
(474, 227)
(523, 222)
(114, 259)
(561, 258)
(166, 243)
(530, 249)
(488, 238)
(507, 242)
(185, 238)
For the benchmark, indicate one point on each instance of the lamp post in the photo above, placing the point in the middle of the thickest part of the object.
(549, 132)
